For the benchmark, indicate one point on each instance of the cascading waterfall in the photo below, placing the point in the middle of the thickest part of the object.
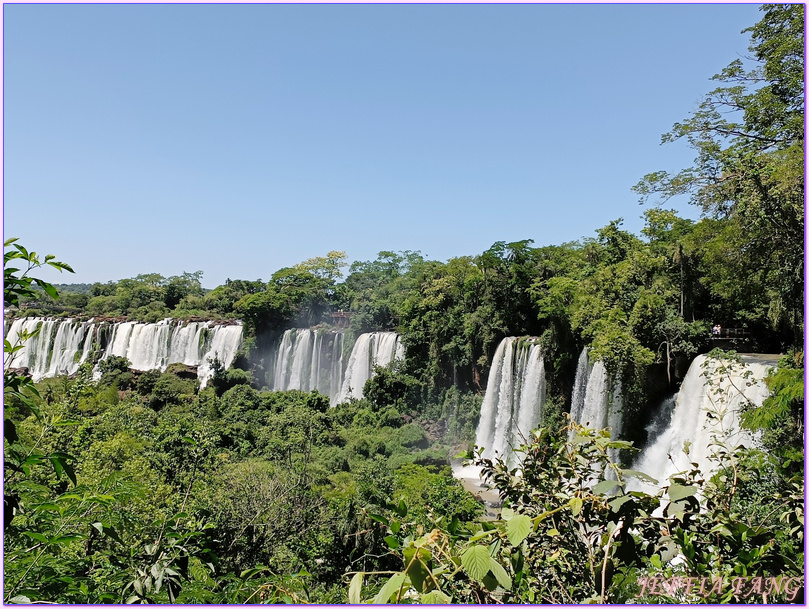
(514, 399)
(596, 402)
(580, 386)
(661, 419)
(706, 409)
(373, 348)
(63, 345)
(307, 360)
(60, 347)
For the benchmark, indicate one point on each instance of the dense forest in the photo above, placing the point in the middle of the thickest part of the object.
(133, 486)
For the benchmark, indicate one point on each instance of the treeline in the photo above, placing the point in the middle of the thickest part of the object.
(636, 300)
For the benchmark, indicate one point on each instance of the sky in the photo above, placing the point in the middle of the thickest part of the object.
(241, 139)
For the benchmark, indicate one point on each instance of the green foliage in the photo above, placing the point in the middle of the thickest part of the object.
(143, 488)
(749, 139)
(170, 390)
(19, 388)
(17, 283)
(389, 388)
(224, 379)
(780, 418)
(573, 532)
(115, 372)
(434, 494)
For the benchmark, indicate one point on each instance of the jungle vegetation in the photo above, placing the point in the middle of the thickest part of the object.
(141, 487)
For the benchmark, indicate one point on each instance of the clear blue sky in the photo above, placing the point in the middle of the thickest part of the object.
(239, 139)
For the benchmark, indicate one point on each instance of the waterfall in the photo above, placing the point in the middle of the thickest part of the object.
(374, 348)
(515, 396)
(224, 343)
(59, 348)
(661, 419)
(596, 402)
(709, 389)
(63, 345)
(580, 385)
(307, 360)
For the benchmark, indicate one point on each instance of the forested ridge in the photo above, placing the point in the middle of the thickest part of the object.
(144, 487)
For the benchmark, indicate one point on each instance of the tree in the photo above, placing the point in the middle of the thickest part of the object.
(326, 268)
(749, 138)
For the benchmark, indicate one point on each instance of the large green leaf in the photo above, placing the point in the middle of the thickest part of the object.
(435, 597)
(390, 589)
(679, 491)
(616, 503)
(631, 473)
(604, 487)
(418, 567)
(20, 600)
(9, 431)
(518, 528)
(500, 573)
(476, 561)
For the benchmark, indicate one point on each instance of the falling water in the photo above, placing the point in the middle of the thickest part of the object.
(60, 347)
(661, 419)
(374, 348)
(596, 401)
(307, 360)
(515, 396)
(63, 345)
(580, 386)
(706, 411)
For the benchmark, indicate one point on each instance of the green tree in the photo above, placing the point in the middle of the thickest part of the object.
(749, 138)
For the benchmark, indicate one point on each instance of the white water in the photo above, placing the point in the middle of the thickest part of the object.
(59, 348)
(373, 348)
(62, 345)
(706, 389)
(596, 402)
(515, 396)
(580, 386)
(307, 360)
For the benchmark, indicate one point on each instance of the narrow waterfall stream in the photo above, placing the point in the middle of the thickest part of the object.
(512, 407)
(596, 401)
(515, 396)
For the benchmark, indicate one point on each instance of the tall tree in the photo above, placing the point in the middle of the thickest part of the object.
(749, 138)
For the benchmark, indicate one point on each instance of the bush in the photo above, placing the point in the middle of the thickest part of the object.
(115, 372)
(170, 390)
